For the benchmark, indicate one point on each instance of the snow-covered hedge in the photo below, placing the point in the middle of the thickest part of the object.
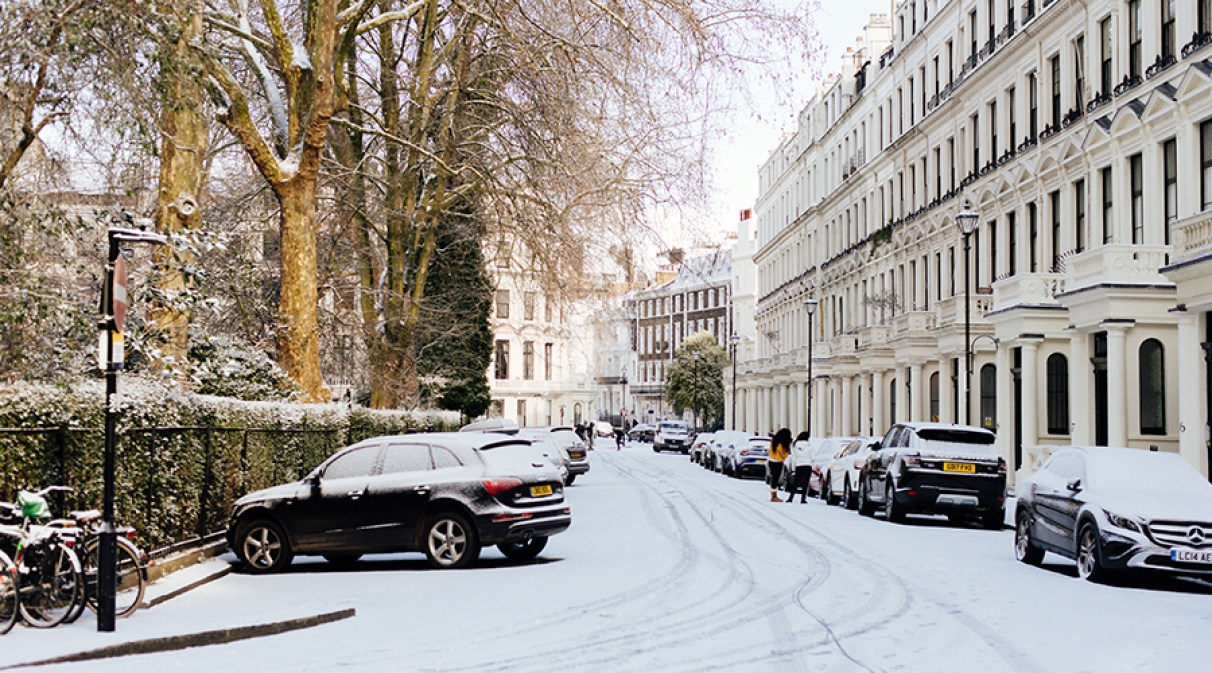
(182, 458)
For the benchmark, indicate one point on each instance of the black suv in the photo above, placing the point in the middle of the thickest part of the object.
(935, 468)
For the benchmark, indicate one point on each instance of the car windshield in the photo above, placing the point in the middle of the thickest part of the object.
(674, 427)
(566, 437)
(1139, 470)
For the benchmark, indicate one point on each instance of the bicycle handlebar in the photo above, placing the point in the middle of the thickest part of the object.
(55, 489)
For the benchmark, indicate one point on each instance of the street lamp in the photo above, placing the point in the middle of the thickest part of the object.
(810, 306)
(967, 223)
(623, 406)
(733, 341)
(694, 379)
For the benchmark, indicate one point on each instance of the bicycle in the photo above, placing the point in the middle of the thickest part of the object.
(10, 596)
(49, 580)
(131, 572)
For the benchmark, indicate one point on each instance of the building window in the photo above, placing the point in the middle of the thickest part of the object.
(892, 402)
(992, 251)
(522, 413)
(1012, 234)
(1204, 17)
(1134, 39)
(993, 130)
(989, 397)
(1135, 169)
(1033, 103)
(528, 301)
(528, 360)
(1054, 200)
(1152, 388)
(1168, 34)
(548, 350)
(1013, 117)
(972, 33)
(503, 253)
(1105, 76)
(1058, 394)
(1205, 163)
(503, 303)
(502, 360)
(934, 397)
(1056, 91)
(1079, 214)
(1108, 215)
(1079, 72)
(976, 143)
(1170, 182)
(1033, 236)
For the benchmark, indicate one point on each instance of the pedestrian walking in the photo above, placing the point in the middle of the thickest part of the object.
(780, 448)
(619, 436)
(797, 479)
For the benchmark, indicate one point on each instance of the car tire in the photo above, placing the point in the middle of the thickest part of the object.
(342, 560)
(865, 506)
(1024, 549)
(892, 511)
(262, 546)
(1089, 554)
(450, 541)
(569, 479)
(523, 550)
(994, 519)
(825, 489)
(849, 501)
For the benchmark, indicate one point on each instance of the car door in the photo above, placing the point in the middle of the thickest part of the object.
(398, 494)
(1052, 498)
(330, 513)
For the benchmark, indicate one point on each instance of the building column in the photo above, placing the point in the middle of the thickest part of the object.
(1032, 398)
(820, 407)
(901, 395)
(1081, 404)
(1117, 383)
(877, 402)
(945, 402)
(915, 392)
(1191, 423)
(844, 429)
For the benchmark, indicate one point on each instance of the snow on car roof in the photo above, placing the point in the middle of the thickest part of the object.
(1137, 469)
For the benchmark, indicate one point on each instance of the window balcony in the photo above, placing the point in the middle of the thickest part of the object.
(914, 323)
(1192, 236)
(1117, 264)
(1028, 290)
(950, 311)
(874, 336)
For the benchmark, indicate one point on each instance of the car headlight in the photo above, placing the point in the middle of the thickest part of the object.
(1123, 522)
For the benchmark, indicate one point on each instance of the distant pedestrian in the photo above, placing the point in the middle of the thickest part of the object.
(797, 479)
(619, 436)
(780, 448)
(579, 428)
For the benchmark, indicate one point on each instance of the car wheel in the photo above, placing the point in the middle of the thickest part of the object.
(994, 519)
(892, 511)
(342, 560)
(523, 550)
(824, 494)
(262, 546)
(450, 541)
(1024, 549)
(569, 479)
(865, 506)
(848, 499)
(1089, 563)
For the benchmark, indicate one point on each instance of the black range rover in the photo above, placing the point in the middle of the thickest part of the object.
(935, 468)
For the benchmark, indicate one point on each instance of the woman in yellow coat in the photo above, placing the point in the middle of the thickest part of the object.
(780, 448)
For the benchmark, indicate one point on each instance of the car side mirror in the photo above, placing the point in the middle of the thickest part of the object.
(313, 479)
(1074, 485)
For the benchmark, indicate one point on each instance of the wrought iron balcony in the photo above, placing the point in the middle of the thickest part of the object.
(1198, 41)
(1161, 64)
(1129, 83)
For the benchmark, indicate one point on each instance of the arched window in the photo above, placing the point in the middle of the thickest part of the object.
(934, 397)
(892, 402)
(1058, 394)
(576, 413)
(989, 397)
(1152, 388)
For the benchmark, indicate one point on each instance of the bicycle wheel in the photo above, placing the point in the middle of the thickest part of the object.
(131, 578)
(52, 585)
(9, 596)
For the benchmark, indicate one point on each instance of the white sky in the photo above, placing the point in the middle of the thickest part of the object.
(838, 23)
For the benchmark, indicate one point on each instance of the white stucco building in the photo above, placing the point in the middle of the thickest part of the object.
(1079, 134)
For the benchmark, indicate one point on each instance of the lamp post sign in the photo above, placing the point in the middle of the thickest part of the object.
(113, 320)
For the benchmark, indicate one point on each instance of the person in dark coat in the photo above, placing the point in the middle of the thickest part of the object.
(797, 479)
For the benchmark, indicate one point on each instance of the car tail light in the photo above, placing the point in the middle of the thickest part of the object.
(913, 461)
(858, 464)
(511, 517)
(912, 494)
(744, 452)
(1001, 465)
(499, 486)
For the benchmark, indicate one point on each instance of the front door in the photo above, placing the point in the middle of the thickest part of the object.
(398, 495)
(330, 516)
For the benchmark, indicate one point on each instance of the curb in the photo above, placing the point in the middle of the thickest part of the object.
(173, 643)
(169, 565)
(188, 587)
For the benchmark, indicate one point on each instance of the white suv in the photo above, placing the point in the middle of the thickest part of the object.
(672, 436)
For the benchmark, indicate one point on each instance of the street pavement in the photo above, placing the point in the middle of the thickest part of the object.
(669, 567)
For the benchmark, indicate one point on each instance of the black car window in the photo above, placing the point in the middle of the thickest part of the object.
(956, 436)
(906, 433)
(890, 438)
(356, 463)
(442, 457)
(406, 458)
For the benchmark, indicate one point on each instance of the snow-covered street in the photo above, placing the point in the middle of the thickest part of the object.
(669, 567)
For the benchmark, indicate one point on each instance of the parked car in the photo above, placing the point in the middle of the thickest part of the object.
(799, 458)
(642, 432)
(574, 453)
(699, 445)
(749, 457)
(722, 445)
(824, 454)
(935, 468)
(843, 473)
(603, 429)
(672, 436)
(444, 494)
(1115, 509)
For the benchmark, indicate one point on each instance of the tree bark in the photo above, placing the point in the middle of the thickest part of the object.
(298, 341)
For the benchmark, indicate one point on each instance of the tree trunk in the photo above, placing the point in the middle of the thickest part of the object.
(298, 342)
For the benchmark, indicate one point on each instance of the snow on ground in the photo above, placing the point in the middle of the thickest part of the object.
(668, 567)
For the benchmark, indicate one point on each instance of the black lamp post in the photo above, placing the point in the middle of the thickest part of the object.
(810, 306)
(694, 378)
(733, 341)
(967, 223)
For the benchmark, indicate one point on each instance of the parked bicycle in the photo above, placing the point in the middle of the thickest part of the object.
(49, 580)
(9, 594)
(84, 526)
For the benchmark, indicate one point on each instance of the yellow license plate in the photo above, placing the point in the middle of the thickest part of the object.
(575, 454)
(959, 467)
(537, 491)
